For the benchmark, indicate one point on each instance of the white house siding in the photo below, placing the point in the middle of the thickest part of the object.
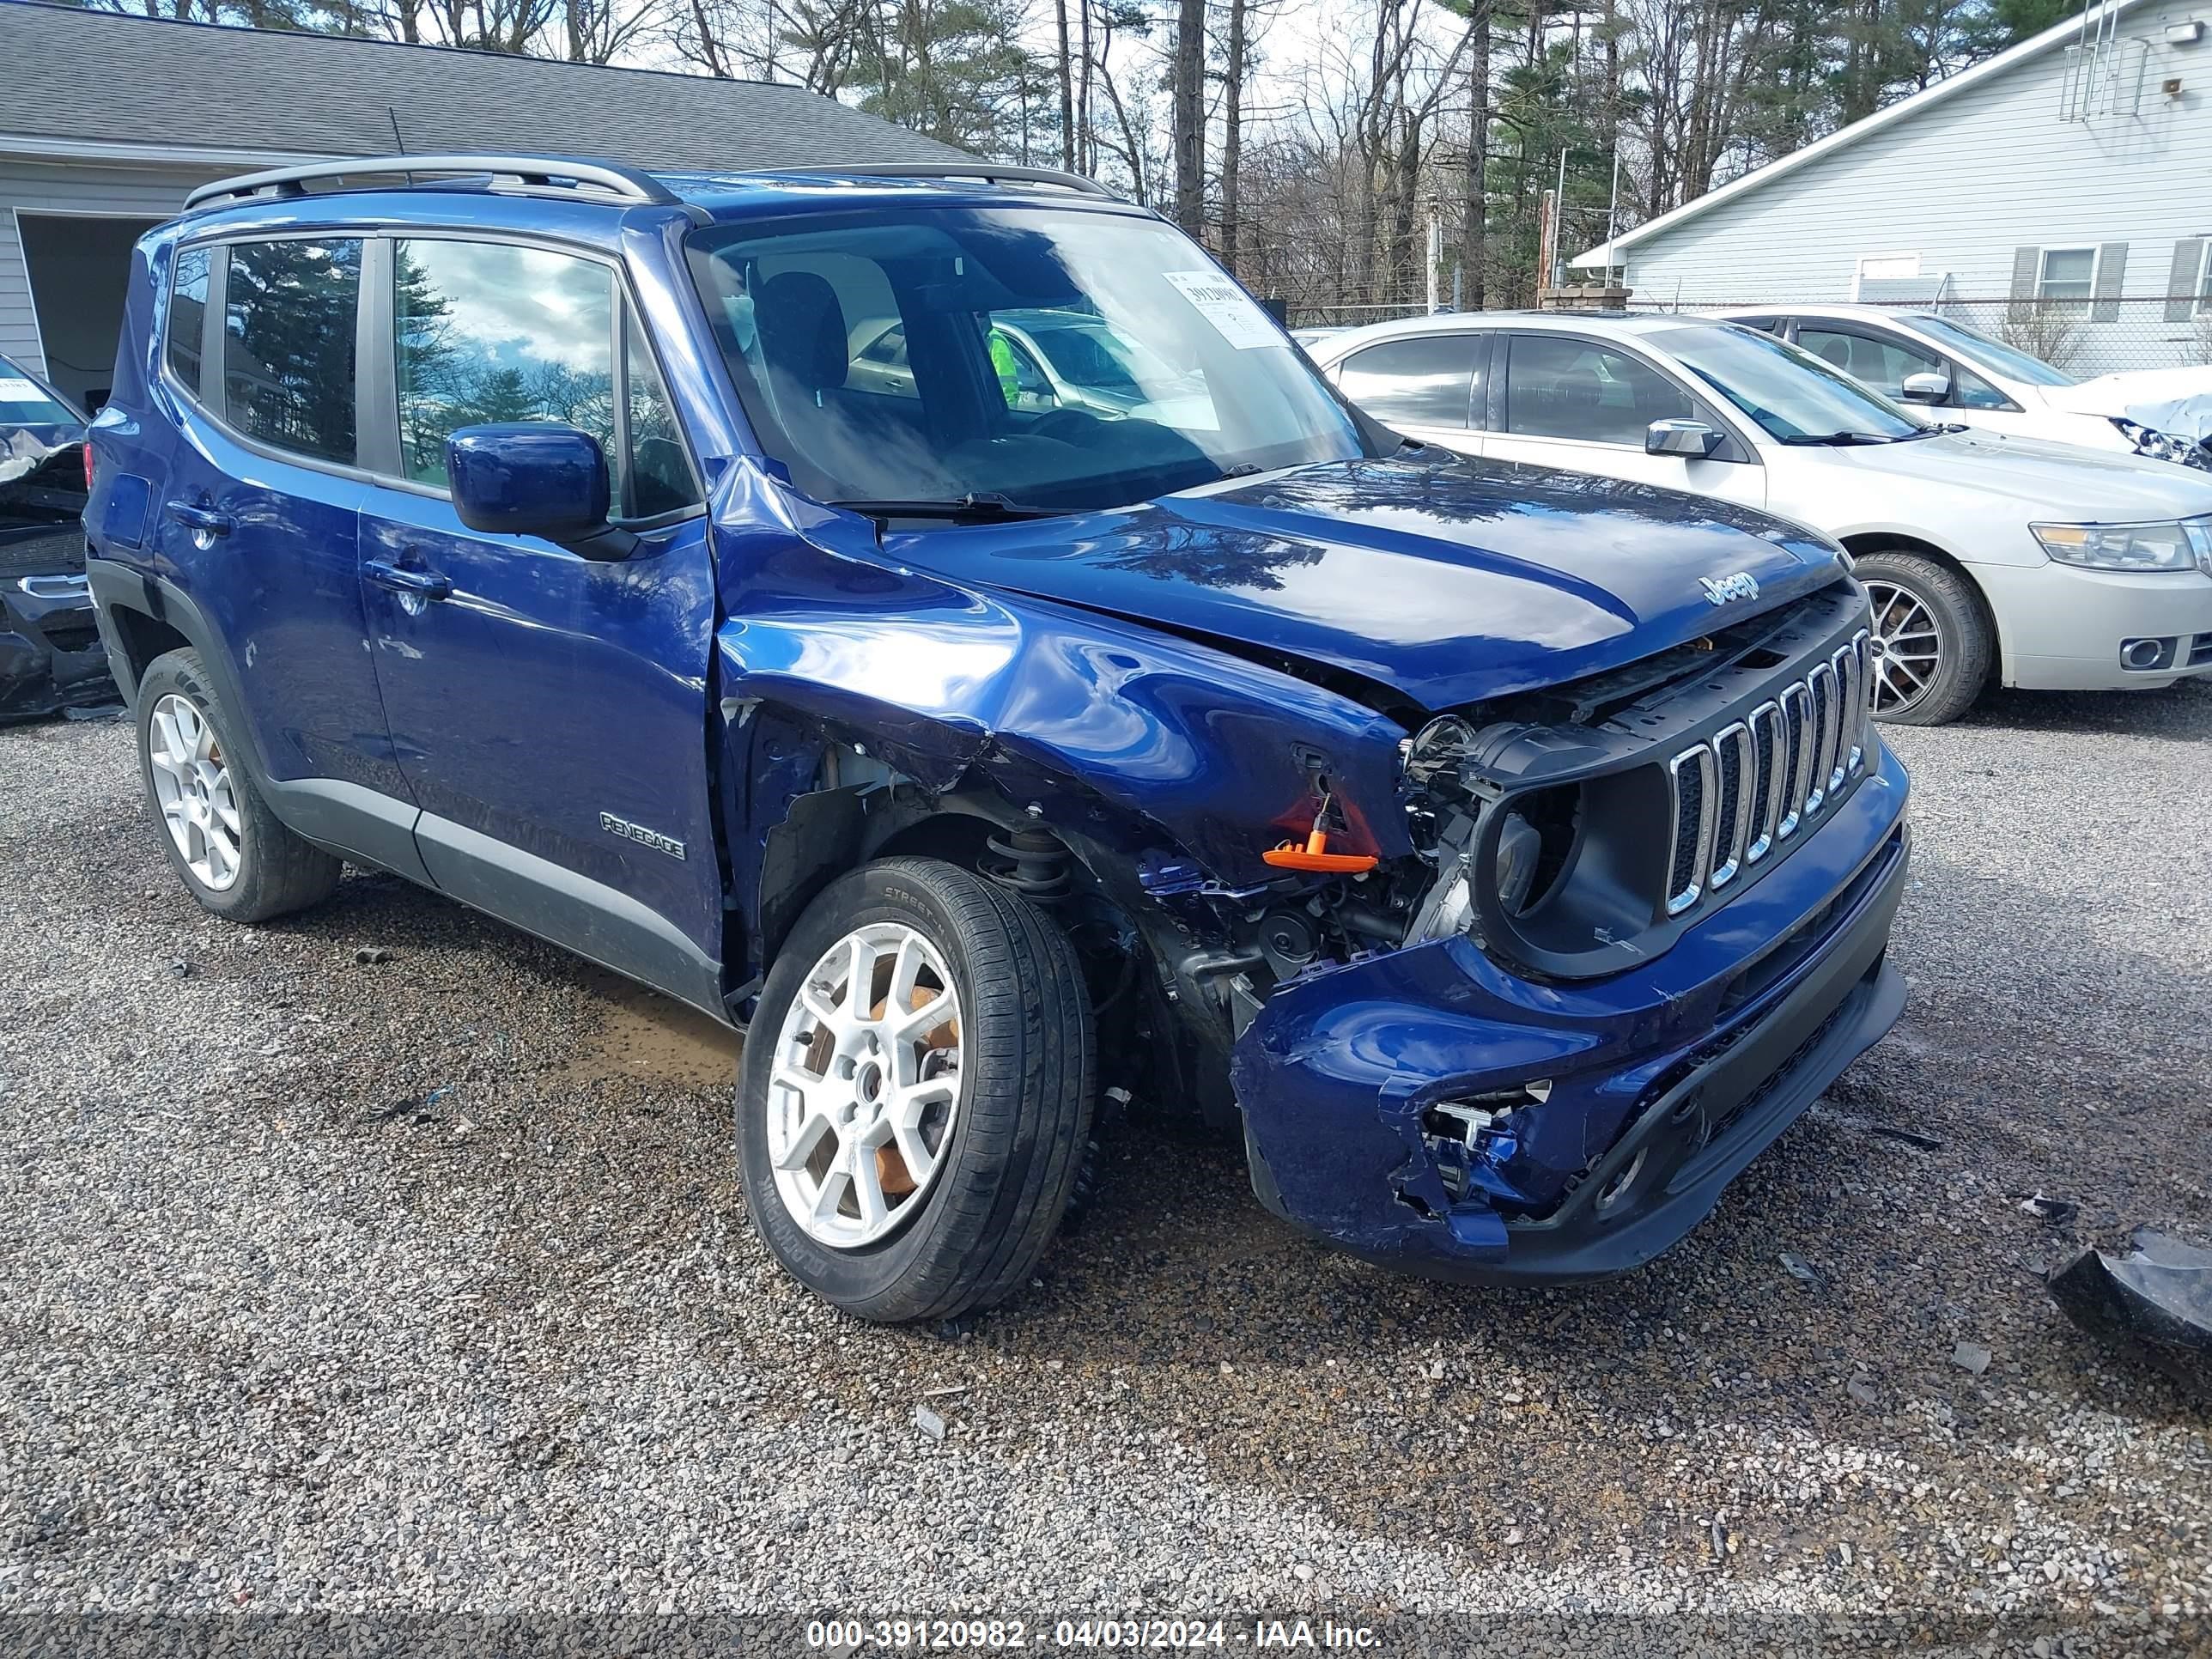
(1967, 181)
(65, 187)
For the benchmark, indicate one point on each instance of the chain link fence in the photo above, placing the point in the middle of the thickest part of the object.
(2083, 337)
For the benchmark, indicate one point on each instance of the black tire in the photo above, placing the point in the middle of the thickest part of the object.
(277, 872)
(1965, 642)
(1017, 1141)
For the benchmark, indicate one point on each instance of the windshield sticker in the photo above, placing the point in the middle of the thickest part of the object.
(1235, 318)
(15, 391)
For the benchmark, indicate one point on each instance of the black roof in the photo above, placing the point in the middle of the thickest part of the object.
(90, 75)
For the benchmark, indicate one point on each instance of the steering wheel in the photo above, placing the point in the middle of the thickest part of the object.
(1069, 426)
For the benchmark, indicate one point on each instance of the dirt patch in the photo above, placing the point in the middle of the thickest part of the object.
(642, 1034)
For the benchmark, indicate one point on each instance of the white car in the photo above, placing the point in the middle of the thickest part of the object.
(2036, 564)
(1920, 357)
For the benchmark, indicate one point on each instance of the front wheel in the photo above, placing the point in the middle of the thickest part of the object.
(1931, 644)
(915, 1096)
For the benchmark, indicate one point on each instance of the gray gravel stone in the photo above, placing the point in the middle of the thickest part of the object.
(270, 1344)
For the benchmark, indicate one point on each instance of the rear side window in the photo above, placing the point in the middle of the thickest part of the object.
(1421, 382)
(187, 325)
(287, 364)
(486, 332)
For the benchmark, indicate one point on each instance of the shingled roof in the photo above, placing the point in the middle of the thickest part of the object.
(115, 80)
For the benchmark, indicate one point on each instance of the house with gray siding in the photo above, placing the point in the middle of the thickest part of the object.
(107, 121)
(2058, 194)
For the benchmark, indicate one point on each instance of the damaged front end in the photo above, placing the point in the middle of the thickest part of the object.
(50, 655)
(1645, 928)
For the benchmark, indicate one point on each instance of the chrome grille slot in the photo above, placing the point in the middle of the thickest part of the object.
(1797, 763)
(1733, 811)
(1827, 722)
(1851, 677)
(1692, 776)
(1770, 734)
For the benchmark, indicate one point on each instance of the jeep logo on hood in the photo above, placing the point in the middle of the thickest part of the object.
(1739, 585)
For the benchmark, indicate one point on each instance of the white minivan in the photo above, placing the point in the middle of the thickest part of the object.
(1925, 358)
(1989, 557)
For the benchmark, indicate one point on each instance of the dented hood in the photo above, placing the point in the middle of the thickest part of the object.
(1447, 580)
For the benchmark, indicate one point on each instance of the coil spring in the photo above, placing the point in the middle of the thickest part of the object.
(1030, 862)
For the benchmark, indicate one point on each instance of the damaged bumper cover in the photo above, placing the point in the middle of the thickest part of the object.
(50, 656)
(1655, 1087)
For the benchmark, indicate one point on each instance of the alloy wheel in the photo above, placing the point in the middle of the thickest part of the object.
(1907, 645)
(192, 786)
(866, 1086)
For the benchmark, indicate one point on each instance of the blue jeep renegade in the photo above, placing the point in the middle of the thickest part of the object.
(941, 624)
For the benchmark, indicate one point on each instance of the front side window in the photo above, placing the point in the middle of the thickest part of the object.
(288, 344)
(486, 332)
(1796, 396)
(658, 477)
(1427, 381)
(1557, 387)
(1059, 358)
(1883, 363)
(187, 322)
(2068, 277)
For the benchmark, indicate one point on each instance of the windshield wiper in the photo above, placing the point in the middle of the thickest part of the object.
(1840, 439)
(977, 506)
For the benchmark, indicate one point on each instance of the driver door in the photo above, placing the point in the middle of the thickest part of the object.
(548, 710)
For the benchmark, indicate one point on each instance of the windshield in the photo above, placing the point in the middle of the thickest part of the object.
(23, 404)
(891, 355)
(2008, 363)
(1792, 394)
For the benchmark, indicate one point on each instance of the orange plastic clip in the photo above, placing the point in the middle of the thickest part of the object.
(1316, 855)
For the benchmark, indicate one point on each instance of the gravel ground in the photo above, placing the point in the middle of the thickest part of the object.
(425, 1285)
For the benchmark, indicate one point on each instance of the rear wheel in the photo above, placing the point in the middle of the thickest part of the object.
(1931, 646)
(222, 841)
(915, 1097)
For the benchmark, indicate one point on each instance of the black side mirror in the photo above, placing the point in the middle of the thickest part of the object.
(535, 478)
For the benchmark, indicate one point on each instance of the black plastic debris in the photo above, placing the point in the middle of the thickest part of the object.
(2157, 1299)
(2056, 1211)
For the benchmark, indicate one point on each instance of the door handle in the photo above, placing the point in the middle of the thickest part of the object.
(423, 584)
(204, 520)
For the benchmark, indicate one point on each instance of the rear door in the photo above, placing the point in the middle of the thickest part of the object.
(549, 711)
(1425, 385)
(258, 519)
(1585, 404)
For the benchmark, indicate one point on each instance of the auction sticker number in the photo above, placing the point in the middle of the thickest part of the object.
(925, 1635)
(1218, 299)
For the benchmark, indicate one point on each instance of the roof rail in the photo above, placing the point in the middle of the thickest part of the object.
(626, 184)
(991, 172)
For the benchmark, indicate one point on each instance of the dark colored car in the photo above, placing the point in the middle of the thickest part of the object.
(50, 652)
(1505, 856)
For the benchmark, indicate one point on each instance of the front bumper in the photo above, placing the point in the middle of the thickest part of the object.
(1665, 1082)
(2062, 628)
(50, 656)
